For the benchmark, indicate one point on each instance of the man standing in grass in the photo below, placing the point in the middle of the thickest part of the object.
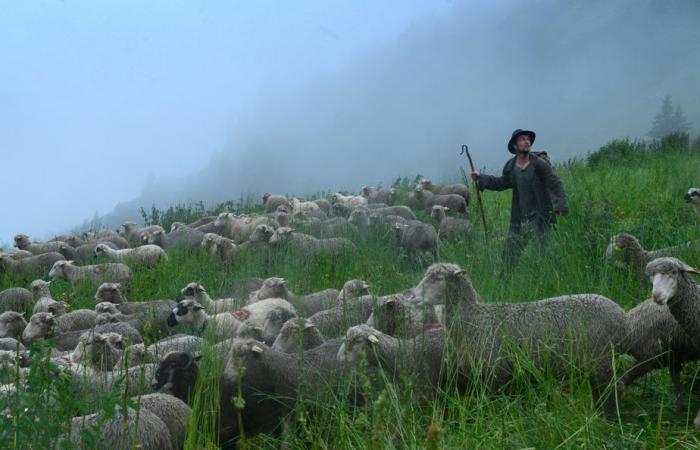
(538, 194)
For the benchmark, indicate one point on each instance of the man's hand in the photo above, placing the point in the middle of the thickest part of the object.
(475, 175)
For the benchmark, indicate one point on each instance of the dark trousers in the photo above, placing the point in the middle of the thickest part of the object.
(518, 237)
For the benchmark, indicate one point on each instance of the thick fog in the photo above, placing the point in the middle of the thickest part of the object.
(140, 103)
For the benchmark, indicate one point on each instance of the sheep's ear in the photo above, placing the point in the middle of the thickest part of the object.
(187, 360)
(66, 305)
(256, 349)
(308, 325)
(686, 268)
(373, 339)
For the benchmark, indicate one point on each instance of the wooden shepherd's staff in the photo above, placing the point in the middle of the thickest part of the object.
(465, 149)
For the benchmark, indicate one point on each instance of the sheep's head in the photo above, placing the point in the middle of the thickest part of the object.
(622, 250)
(359, 217)
(106, 308)
(223, 218)
(177, 373)
(367, 191)
(57, 308)
(100, 249)
(106, 318)
(127, 228)
(192, 289)
(284, 208)
(176, 226)
(274, 320)
(12, 324)
(208, 240)
(437, 212)
(98, 350)
(272, 287)
(432, 289)
(109, 292)
(265, 196)
(282, 234)
(40, 325)
(187, 311)
(22, 241)
(353, 289)
(40, 288)
(58, 269)
(666, 275)
(360, 339)
(261, 233)
(295, 332)
(693, 196)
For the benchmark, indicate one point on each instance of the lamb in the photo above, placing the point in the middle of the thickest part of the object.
(386, 196)
(197, 291)
(296, 336)
(451, 228)
(674, 287)
(456, 188)
(309, 245)
(453, 201)
(693, 197)
(249, 321)
(401, 317)
(351, 201)
(417, 238)
(15, 299)
(145, 255)
(133, 233)
(142, 429)
(12, 324)
(307, 304)
(626, 252)
(334, 321)
(183, 237)
(272, 201)
(556, 334)
(29, 266)
(95, 274)
(219, 247)
(22, 242)
(421, 357)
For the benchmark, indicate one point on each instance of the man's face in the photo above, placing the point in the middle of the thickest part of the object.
(523, 143)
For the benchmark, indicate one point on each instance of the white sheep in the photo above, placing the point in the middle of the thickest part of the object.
(219, 247)
(451, 228)
(199, 293)
(351, 201)
(95, 274)
(145, 255)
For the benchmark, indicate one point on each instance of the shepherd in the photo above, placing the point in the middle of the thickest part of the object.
(538, 196)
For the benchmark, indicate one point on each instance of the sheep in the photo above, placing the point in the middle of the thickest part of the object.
(197, 291)
(673, 287)
(29, 266)
(421, 357)
(239, 229)
(172, 411)
(626, 252)
(15, 299)
(657, 340)
(10, 343)
(50, 305)
(453, 201)
(386, 196)
(352, 289)
(72, 240)
(157, 311)
(95, 274)
(451, 228)
(282, 215)
(12, 324)
(87, 251)
(133, 233)
(45, 324)
(145, 255)
(351, 201)
(307, 304)
(183, 237)
(693, 197)
(22, 242)
(98, 350)
(111, 237)
(379, 220)
(309, 245)
(401, 317)
(136, 354)
(417, 238)
(307, 209)
(17, 254)
(297, 335)
(336, 320)
(336, 226)
(359, 217)
(272, 201)
(135, 429)
(324, 204)
(219, 247)
(258, 240)
(131, 330)
(249, 321)
(556, 334)
(456, 188)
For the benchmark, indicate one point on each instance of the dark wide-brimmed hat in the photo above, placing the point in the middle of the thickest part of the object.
(514, 137)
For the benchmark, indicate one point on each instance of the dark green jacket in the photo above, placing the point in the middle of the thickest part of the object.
(549, 190)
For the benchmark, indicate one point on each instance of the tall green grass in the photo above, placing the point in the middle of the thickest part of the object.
(639, 191)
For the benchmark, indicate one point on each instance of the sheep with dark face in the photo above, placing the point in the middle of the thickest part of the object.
(95, 274)
(693, 197)
(12, 324)
(626, 252)
(297, 335)
(33, 265)
(557, 334)
(15, 299)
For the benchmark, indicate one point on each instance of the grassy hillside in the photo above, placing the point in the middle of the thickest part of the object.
(625, 187)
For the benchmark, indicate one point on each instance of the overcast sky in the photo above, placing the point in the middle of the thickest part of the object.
(207, 99)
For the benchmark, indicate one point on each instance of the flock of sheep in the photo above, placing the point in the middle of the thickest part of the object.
(264, 333)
